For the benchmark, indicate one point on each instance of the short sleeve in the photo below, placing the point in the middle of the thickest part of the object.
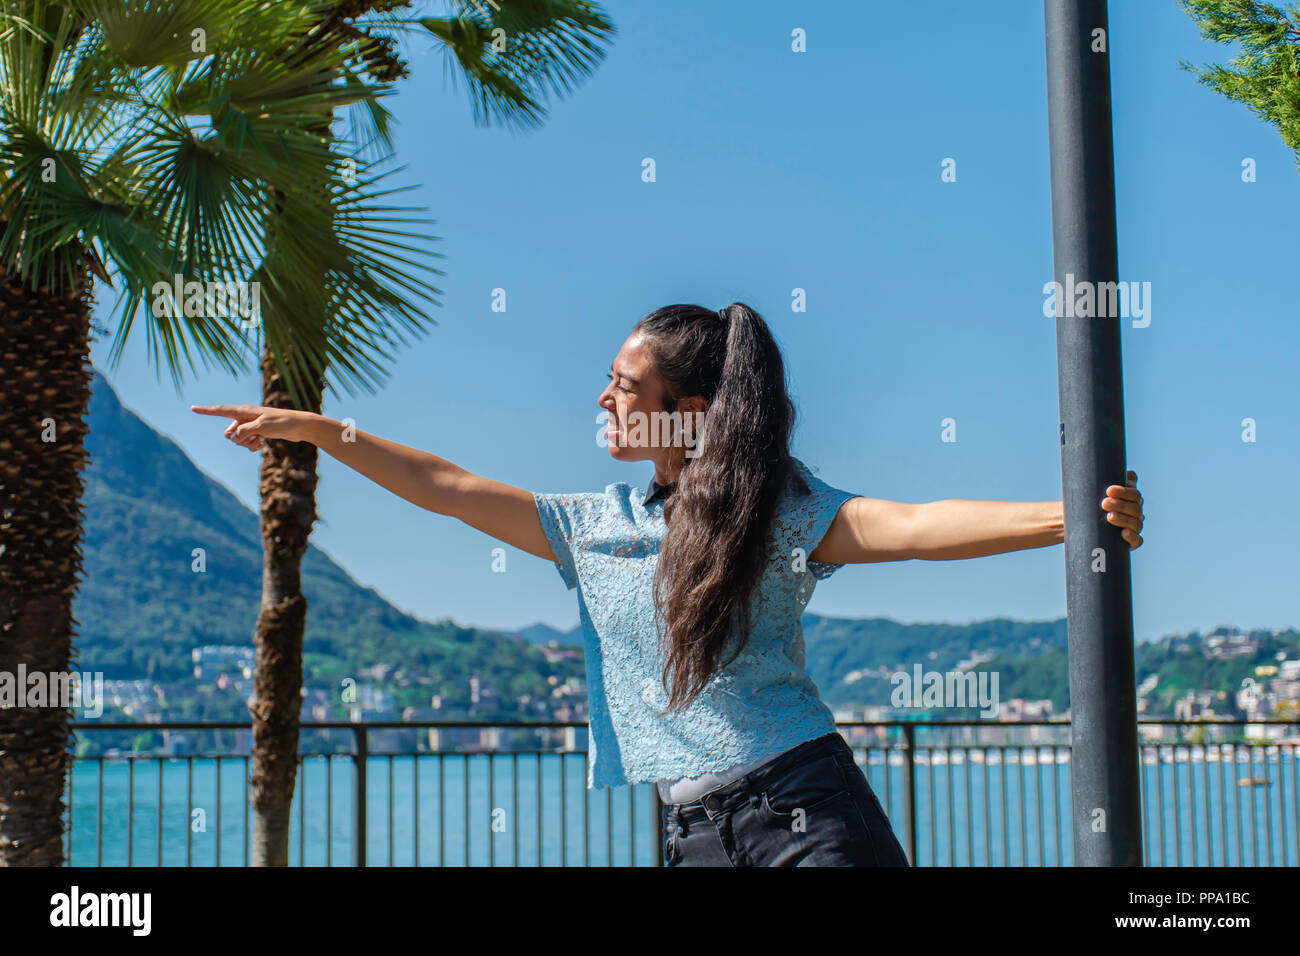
(556, 514)
(807, 518)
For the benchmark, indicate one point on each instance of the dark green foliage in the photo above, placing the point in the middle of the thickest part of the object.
(838, 647)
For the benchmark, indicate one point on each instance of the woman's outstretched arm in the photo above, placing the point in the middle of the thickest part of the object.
(873, 529)
(502, 511)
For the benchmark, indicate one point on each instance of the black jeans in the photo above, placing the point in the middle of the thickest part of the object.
(811, 806)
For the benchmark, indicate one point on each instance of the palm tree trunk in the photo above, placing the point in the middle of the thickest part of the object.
(44, 394)
(288, 494)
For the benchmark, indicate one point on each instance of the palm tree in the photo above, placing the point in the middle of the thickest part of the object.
(510, 58)
(105, 92)
(140, 140)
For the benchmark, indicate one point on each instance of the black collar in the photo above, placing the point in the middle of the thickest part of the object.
(657, 490)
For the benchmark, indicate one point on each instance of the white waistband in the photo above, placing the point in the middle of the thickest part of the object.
(690, 789)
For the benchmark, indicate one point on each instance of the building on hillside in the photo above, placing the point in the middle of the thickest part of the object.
(212, 660)
(1195, 705)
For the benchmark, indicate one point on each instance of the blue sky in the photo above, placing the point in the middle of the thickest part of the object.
(821, 171)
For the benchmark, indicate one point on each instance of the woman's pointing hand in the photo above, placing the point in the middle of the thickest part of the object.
(252, 425)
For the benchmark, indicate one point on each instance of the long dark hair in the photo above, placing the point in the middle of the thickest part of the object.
(715, 549)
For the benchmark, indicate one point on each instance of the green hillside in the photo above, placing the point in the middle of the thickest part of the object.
(142, 609)
(852, 660)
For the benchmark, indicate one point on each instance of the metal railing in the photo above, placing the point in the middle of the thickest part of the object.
(958, 793)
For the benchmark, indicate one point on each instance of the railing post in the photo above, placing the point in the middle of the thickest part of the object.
(909, 790)
(359, 797)
(657, 808)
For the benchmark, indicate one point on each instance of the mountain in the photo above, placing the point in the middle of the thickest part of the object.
(852, 661)
(173, 562)
(544, 634)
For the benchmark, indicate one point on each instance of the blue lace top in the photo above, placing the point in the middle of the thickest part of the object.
(761, 704)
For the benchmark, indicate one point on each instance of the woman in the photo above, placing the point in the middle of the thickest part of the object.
(690, 594)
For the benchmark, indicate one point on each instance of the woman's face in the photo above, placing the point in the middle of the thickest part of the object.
(634, 401)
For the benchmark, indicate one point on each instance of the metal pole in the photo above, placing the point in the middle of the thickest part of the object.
(1104, 768)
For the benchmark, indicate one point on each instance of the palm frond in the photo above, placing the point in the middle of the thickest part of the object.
(516, 54)
(197, 164)
(153, 33)
(374, 290)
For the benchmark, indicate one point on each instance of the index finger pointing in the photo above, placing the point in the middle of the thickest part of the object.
(223, 411)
